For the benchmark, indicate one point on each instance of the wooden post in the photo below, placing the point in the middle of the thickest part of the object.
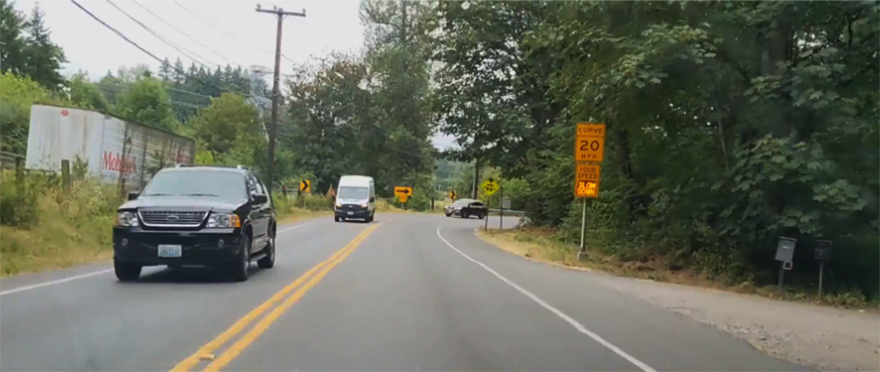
(19, 176)
(65, 174)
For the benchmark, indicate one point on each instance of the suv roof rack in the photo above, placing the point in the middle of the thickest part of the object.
(242, 167)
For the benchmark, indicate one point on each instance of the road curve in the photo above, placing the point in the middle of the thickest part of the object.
(408, 292)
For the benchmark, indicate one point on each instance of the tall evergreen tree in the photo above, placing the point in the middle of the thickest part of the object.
(44, 58)
(179, 77)
(11, 44)
(165, 71)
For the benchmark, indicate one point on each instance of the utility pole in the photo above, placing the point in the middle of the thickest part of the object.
(276, 92)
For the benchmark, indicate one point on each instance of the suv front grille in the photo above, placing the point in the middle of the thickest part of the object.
(173, 218)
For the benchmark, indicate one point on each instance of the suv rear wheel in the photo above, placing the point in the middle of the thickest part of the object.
(126, 272)
(268, 262)
(239, 269)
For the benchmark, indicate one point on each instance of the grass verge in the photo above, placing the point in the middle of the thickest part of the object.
(542, 246)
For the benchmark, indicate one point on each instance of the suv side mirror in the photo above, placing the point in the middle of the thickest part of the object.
(372, 199)
(260, 199)
(133, 195)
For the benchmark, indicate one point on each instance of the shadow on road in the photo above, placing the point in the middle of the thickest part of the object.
(195, 274)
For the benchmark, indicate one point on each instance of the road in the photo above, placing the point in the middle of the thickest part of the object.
(408, 292)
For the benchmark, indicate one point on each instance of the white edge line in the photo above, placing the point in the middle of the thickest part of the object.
(93, 273)
(293, 228)
(574, 323)
(53, 282)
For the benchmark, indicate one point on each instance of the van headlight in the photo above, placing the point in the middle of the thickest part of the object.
(223, 220)
(364, 205)
(127, 219)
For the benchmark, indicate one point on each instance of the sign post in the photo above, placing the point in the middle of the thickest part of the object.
(589, 146)
(822, 254)
(785, 254)
(490, 187)
(501, 210)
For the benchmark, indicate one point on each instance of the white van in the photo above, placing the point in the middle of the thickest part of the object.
(355, 198)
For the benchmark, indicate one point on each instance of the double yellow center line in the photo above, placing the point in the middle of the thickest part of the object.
(310, 278)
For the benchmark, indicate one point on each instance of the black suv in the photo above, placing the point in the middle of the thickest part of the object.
(196, 215)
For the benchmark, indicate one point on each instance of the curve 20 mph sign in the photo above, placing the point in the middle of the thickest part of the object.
(589, 142)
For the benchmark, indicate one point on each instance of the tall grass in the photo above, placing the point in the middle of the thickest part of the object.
(291, 206)
(44, 226)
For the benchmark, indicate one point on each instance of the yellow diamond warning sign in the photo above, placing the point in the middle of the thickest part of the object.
(586, 183)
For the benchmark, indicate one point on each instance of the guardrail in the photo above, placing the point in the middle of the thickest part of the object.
(507, 212)
(7, 159)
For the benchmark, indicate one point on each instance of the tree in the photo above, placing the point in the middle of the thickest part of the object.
(44, 58)
(11, 44)
(226, 122)
(729, 124)
(83, 93)
(165, 73)
(395, 140)
(111, 86)
(17, 95)
(325, 104)
(146, 102)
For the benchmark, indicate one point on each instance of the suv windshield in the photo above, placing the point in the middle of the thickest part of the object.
(351, 192)
(227, 185)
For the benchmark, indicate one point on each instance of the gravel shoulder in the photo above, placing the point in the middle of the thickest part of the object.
(829, 339)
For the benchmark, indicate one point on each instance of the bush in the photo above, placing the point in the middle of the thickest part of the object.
(49, 227)
(16, 208)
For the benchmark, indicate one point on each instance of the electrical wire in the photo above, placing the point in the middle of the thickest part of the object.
(175, 46)
(210, 23)
(147, 52)
(181, 32)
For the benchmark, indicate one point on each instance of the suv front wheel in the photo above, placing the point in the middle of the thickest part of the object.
(239, 269)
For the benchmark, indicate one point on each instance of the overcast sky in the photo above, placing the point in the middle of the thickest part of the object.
(213, 32)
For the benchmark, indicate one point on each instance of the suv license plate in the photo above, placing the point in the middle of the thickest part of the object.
(350, 213)
(170, 251)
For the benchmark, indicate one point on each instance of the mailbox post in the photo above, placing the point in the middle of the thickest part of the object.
(785, 254)
(822, 254)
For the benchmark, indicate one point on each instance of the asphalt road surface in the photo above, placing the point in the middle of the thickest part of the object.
(408, 292)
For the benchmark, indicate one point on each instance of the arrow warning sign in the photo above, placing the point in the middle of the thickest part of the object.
(305, 186)
(403, 191)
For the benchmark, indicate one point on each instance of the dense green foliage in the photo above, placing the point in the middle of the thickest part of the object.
(368, 116)
(730, 124)
(26, 48)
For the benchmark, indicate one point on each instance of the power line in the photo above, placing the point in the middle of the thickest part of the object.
(175, 46)
(181, 32)
(147, 52)
(211, 23)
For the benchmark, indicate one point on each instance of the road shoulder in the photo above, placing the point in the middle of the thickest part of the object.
(821, 337)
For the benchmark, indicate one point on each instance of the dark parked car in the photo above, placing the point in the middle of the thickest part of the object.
(196, 215)
(466, 208)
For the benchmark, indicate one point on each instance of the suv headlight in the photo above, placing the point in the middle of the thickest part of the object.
(223, 220)
(127, 219)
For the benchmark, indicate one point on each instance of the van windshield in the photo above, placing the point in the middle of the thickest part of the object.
(352, 192)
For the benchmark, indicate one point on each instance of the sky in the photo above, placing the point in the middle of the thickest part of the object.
(212, 32)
